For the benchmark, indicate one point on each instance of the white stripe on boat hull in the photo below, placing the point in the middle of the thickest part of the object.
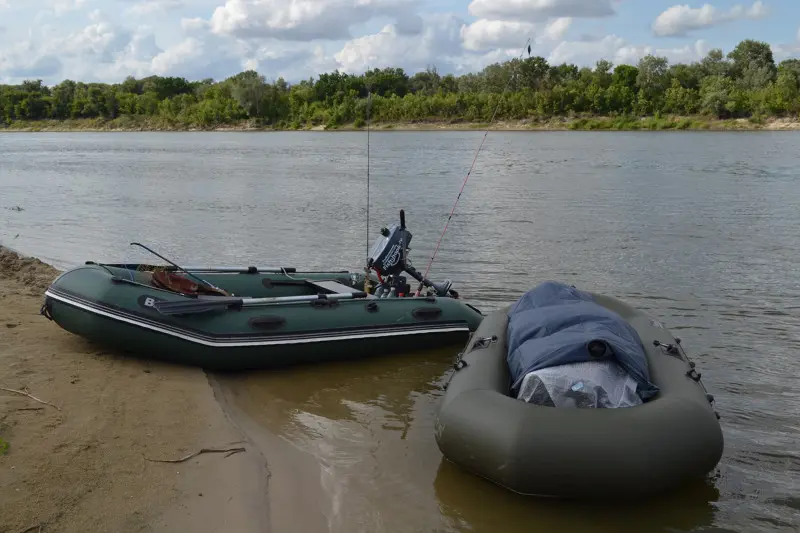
(244, 344)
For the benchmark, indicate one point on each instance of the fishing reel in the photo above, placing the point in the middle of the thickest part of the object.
(389, 259)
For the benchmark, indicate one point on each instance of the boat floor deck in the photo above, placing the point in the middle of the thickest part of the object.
(334, 287)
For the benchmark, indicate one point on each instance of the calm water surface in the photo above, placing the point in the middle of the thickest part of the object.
(699, 229)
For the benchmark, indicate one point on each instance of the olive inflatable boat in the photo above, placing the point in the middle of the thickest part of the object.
(587, 453)
(229, 318)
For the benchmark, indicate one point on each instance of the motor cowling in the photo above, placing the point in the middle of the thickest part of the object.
(389, 253)
(389, 259)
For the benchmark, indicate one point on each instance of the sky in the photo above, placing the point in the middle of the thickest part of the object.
(107, 40)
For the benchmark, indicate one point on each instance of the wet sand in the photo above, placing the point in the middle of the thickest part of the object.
(81, 465)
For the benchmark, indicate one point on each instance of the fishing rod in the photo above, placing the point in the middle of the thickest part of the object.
(204, 282)
(472, 166)
(367, 284)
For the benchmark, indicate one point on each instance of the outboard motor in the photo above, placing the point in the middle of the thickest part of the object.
(389, 259)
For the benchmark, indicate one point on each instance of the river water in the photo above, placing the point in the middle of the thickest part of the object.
(699, 229)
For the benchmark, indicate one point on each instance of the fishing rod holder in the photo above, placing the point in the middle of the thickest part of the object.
(389, 260)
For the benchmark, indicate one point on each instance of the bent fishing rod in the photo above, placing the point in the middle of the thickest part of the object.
(472, 166)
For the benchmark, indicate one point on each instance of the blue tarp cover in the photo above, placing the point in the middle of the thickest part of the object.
(554, 323)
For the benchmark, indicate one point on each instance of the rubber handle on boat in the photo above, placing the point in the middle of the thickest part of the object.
(402, 219)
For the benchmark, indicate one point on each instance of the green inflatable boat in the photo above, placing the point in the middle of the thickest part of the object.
(588, 453)
(229, 318)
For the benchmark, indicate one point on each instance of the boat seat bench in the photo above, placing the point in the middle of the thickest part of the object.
(334, 287)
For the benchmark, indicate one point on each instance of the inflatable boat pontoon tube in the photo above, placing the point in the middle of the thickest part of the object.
(579, 453)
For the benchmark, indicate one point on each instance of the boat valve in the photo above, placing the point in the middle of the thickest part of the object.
(484, 342)
(669, 348)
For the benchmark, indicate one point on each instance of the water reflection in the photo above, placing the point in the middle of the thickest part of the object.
(370, 424)
(479, 505)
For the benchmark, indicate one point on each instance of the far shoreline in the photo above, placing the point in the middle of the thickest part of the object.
(129, 124)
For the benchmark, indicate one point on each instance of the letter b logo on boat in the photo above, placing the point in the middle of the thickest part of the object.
(148, 302)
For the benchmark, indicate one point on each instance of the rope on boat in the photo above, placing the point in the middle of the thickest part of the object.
(472, 166)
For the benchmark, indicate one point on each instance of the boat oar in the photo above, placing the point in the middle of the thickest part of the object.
(214, 303)
(242, 270)
(205, 269)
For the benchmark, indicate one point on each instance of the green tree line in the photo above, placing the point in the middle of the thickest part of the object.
(744, 83)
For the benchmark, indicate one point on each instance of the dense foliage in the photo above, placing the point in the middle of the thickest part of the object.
(745, 83)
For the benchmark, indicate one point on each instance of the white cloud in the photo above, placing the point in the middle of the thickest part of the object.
(536, 10)
(134, 59)
(291, 61)
(217, 38)
(25, 60)
(205, 55)
(147, 7)
(439, 42)
(787, 51)
(484, 34)
(142, 47)
(195, 24)
(100, 51)
(365, 52)
(476, 62)
(187, 51)
(586, 51)
(507, 24)
(556, 29)
(64, 6)
(409, 24)
(679, 19)
(617, 50)
(100, 41)
(304, 20)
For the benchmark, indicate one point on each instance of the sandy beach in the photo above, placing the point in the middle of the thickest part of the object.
(85, 460)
